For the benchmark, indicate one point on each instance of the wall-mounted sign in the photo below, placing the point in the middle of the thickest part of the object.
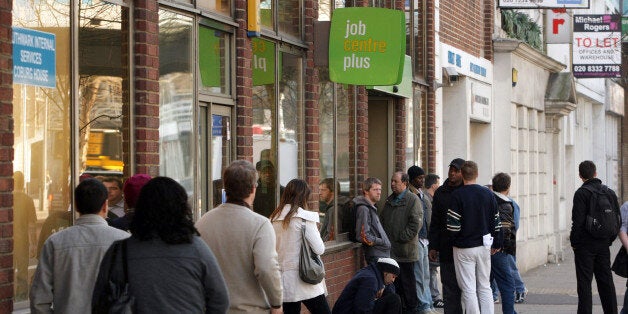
(596, 46)
(34, 60)
(543, 4)
(404, 88)
(466, 64)
(480, 102)
(559, 26)
(263, 61)
(367, 46)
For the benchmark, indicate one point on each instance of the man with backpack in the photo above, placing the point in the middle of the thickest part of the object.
(368, 228)
(595, 224)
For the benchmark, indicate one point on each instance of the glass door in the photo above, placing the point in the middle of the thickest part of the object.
(216, 152)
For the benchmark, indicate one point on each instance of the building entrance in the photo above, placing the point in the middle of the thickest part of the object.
(380, 145)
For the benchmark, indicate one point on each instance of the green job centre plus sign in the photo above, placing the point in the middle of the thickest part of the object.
(367, 46)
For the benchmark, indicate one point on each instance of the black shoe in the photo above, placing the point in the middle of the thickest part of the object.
(439, 303)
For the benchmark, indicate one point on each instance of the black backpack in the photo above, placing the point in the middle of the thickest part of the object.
(603, 219)
(349, 220)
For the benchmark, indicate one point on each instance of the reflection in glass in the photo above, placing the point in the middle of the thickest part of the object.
(41, 126)
(267, 14)
(213, 60)
(290, 118)
(325, 8)
(176, 138)
(221, 153)
(337, 138)
(218, 6)
(264, 115)
(290, 18)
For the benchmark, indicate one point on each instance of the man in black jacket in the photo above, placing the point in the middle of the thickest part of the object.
(439, 242)
(591, 255)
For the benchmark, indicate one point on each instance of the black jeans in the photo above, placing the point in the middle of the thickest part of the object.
(388, 304)
(405, 285)
(451, 291)
(316, 305)
(595, 260)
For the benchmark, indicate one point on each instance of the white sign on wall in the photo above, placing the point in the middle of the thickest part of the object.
(559, 27)
(466, 64)
(596, 46)
(480, 102)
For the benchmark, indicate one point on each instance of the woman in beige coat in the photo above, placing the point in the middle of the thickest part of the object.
(290, 216)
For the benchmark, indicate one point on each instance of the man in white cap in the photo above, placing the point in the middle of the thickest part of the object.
(371, 290)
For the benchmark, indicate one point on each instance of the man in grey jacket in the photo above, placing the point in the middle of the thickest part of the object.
(402, 218)
(244, 243)
(70, 259)
(368, 228)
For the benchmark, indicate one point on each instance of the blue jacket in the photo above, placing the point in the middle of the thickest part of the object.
(358, 296)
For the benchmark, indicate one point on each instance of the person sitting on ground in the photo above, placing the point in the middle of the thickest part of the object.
(371, 290)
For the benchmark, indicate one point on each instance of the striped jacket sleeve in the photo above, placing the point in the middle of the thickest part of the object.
(454, 221)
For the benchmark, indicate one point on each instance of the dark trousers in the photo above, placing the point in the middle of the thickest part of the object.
(405, 285)
(317, 305)
(595, 260)
(388, 304)
(451, 291)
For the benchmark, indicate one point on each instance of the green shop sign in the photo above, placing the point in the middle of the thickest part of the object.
(367, 46)
(263, 61)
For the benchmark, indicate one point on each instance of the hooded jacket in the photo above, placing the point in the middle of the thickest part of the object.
(369, 230)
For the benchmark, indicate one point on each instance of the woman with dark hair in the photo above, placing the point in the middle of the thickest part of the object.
(290, 216)
(170, 269)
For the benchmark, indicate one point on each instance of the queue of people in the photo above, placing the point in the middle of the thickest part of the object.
(235, 260)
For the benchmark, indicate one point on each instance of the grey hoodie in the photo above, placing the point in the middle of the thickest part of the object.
(369, 230)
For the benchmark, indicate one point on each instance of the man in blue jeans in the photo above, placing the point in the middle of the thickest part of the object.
(501, 268)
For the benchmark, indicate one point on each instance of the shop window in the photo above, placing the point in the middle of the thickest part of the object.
(325, 7)
(214, 55)
(415, 36)
(176, 98)
(44, 122)
(218, 6)
(102, 78)
(334, 141)
(277, 122)
(287, 14)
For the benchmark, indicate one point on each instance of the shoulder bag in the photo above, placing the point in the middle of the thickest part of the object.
(620, 264)
(311, 269)
(120, 299)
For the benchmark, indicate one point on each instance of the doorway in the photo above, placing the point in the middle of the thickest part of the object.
(380, 144)
(216, 152)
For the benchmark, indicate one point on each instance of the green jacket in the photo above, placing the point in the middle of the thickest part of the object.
(402, 218)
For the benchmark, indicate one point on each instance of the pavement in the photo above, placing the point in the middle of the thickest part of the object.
(552, 288)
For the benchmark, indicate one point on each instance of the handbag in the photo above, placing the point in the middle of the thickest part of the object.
(311, 269)
(620, 264)
(120, 300)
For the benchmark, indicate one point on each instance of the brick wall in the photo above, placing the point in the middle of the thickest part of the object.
(340, 266)
(6, 159)
(459, 25)
(244, 83)
(146, 87)
(429, 118)
(312, 148)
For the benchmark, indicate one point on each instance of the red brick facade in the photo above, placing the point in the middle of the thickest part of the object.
(146, 87)
(459, 25)
(6, 159)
